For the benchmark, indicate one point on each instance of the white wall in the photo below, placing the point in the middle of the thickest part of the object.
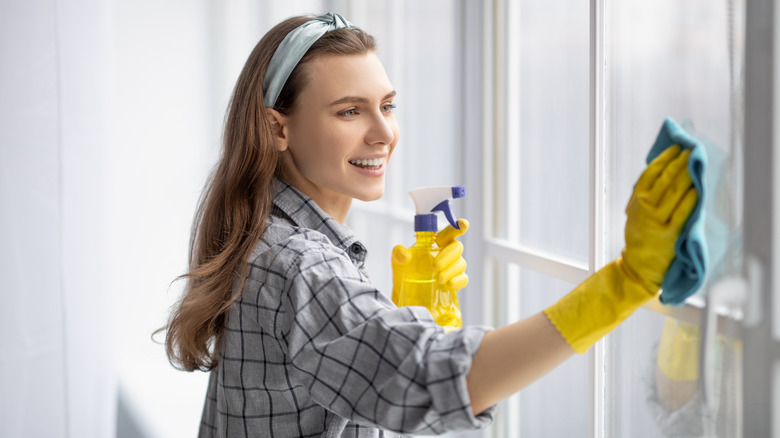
(106, 137)
(56, 370)
(166, 140)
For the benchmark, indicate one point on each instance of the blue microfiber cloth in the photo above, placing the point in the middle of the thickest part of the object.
(689, 267)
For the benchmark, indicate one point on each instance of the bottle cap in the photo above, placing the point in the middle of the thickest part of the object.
(426, 222)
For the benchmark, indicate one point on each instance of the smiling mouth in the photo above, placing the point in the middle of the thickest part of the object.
(374, 163)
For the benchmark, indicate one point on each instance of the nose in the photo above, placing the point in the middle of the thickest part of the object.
(380, 131)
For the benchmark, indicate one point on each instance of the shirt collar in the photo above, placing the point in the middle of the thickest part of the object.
(304, 212)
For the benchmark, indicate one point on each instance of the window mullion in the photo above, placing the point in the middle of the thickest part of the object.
(598, 201)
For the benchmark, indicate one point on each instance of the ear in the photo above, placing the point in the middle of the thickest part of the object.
(278, 124)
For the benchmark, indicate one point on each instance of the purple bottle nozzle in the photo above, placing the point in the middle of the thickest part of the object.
(428, 200)
(458, 192)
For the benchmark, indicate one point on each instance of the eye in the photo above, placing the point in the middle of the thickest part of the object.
(349, 112)
(388, 107)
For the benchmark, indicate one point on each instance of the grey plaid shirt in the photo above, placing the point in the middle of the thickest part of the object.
(312, 349)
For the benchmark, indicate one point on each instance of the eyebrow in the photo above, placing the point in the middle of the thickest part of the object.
(358, 99)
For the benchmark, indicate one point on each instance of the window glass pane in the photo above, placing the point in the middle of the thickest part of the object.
(431, 96)
(418, 43)
(675, 59)
(543, 173)
(558, 404)
(629, 379)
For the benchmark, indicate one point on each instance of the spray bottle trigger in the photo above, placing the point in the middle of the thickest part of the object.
(444, 206)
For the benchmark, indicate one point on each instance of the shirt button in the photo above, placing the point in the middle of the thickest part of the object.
(356, 248)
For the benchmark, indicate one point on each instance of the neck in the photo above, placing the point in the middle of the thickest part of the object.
(337, 209)
(335, 205)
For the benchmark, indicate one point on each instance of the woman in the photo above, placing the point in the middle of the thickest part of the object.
(297, 340)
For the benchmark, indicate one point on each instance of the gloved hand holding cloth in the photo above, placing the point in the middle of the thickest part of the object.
(661, 202)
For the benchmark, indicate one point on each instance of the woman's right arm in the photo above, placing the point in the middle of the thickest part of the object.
(512, 357)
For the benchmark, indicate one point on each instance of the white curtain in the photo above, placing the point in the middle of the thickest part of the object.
(56, 371)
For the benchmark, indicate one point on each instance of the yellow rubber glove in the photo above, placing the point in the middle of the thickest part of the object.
(677, 364)
(662, 200)
(400, 258)
(449, 263)
(678, 351)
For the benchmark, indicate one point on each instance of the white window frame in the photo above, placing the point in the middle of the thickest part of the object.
(761, 351)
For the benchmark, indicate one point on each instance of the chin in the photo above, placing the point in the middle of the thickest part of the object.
(371, 196)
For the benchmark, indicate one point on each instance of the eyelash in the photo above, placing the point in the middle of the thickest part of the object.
(390, 107)
(346, 112)
(386, 108)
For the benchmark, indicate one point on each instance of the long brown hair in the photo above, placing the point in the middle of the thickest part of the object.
(236, 202)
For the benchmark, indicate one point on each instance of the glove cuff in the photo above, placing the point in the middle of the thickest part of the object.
(597, 306)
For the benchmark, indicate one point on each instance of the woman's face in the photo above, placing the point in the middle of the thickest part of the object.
(341, 133)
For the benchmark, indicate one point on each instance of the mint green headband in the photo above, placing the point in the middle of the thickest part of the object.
(292, 49)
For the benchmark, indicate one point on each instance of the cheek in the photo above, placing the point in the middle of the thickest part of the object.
(396, 133)
(308, 146)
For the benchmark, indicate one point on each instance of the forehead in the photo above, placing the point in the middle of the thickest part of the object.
(332, 77)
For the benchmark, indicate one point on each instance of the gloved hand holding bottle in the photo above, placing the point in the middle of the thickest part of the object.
(431, 272)
(449, 263)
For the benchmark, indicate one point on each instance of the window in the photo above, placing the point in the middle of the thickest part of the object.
(580, 92)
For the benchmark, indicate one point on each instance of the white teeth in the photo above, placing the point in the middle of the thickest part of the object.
(374, 162)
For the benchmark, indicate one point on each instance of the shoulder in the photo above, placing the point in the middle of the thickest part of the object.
(285, 250)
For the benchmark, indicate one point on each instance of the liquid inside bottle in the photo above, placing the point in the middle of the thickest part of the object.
(420, 287)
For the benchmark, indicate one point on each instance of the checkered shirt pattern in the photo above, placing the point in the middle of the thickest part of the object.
(312, 349)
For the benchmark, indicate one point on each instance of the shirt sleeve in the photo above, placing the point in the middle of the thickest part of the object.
(367, 360)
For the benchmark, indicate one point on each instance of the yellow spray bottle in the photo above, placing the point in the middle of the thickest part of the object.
(419, 287)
